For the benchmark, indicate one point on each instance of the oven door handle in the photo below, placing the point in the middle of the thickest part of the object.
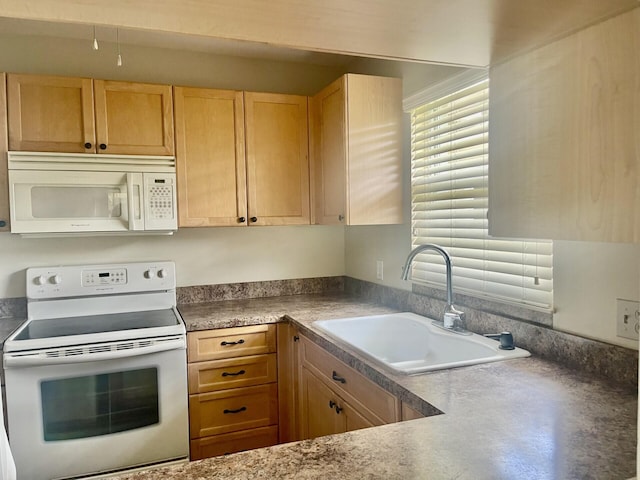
(42, 358)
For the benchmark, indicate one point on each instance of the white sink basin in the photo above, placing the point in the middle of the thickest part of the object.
(408, 343)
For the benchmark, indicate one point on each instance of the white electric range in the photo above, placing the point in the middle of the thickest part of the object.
(96, 378)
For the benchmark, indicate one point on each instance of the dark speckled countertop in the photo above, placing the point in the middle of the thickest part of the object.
(517, 419)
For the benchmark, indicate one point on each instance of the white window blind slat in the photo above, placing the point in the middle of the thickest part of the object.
(449, 186)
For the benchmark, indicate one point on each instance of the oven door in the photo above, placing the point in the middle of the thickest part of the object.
(77, 417)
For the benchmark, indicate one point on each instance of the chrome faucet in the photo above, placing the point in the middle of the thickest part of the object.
(453, 319)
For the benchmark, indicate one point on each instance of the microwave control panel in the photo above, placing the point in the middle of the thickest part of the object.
(160, 201)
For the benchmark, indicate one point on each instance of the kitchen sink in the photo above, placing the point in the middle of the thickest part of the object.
(408, 343)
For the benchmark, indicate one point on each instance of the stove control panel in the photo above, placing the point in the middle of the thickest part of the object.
(115, 276)
(87, 280)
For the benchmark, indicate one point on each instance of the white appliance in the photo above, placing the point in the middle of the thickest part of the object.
(96, 379)
(7, 465)
(63, 193)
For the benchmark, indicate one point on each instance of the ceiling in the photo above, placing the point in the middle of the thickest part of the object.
(174, 41)
(453, 32)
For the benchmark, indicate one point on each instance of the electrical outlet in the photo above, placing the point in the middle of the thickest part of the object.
(379, 270)
(628, 318)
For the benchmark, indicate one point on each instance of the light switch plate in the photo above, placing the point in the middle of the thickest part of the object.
(379, 270)
(627, 318)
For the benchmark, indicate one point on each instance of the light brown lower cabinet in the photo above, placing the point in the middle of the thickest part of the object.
(324, 412)
(233, 390)
(244, 395)
(335, 398)
(233, 442)
(409, 413)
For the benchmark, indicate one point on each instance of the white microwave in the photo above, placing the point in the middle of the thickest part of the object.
(59, 193)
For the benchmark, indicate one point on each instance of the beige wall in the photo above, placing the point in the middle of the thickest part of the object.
(203, 255)
(57, 56)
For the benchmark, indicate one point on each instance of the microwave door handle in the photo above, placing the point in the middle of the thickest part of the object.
(135, 201)
(35, 359)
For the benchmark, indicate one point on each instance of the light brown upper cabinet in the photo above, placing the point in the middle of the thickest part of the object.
(277, 140)
(242, 158)
(80, 115)
(564, 147)
(210, 157)
(4, 181)
(134, 118)
(356, 147)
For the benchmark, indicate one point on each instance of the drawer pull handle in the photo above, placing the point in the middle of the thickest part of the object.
(335, 406)
(241, 409)
(230, 374)
(239, 342)
(338, 378)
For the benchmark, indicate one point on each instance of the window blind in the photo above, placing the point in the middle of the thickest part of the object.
(449, 185)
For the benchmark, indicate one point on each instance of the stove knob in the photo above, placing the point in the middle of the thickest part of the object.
(162, 273)
(40, 280)
(55, 279)
(149, 274)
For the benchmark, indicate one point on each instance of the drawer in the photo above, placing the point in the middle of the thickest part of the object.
(232, 373)
(350, 384)
(233, 410)
(233, 442)
(231, 342)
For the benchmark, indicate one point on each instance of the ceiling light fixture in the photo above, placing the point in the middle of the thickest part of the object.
(119, 60)
(95, 40)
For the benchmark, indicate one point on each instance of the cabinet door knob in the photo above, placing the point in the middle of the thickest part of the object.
(3, 223)
(340, 218)
(337, 377)
(103, 146)
(233, 374)
(242, 220)
(241, 409)
(254, 219)
(87, 145)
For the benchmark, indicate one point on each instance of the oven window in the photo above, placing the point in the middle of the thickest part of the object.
(95, 405)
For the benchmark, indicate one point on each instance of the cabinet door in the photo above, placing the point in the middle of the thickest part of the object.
(357, 151)
(50, 114)
(317, 408)
(374, 152)
(277, 141)
(4, 181)
(328, 148)
(564, 147)
(210, 157)
(134, 118)
(288, 385)
(354, 420)
(370, 399)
